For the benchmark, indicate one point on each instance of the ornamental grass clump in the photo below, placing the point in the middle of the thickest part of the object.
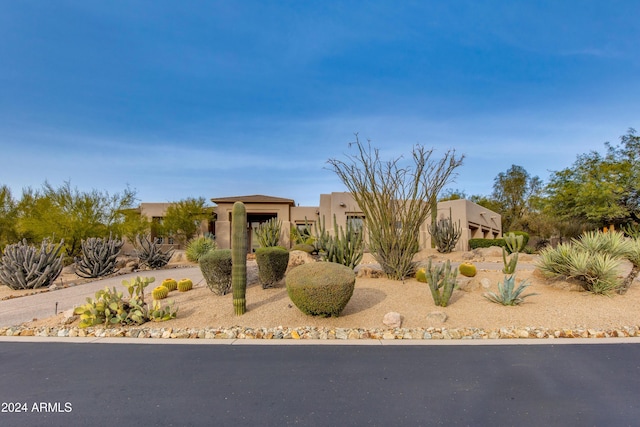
(216, 267)
(321, 289)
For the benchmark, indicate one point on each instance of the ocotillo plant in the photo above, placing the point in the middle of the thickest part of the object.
(239, 257)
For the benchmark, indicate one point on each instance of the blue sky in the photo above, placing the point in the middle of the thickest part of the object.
(223, 98)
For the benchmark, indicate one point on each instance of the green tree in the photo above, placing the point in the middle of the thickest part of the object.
(396, 200)
(183, 218)
(513, 191)
(8, 218)
(72, 215)
(599, 189)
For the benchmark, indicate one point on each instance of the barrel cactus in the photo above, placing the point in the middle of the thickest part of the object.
(160, 292)
(321, 289)
(239, 257)
(421, 275)
(170, 284)
(185, 285)
(467, 269)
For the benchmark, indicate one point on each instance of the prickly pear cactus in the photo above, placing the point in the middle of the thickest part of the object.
(239, 257)
(185, 285)
(160, 292)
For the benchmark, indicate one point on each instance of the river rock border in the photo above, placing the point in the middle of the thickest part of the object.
(312, 333)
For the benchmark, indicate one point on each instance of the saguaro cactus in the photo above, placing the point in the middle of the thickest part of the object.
(239, 257)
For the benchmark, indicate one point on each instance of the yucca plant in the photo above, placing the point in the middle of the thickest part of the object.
(199, 246)
(508, 294)
(613, 243)
(596, 272)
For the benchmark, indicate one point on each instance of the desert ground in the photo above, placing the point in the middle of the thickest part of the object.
(557, 304)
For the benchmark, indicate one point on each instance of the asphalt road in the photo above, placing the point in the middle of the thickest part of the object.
(209, 385)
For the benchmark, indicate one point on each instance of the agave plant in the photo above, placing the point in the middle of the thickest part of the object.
(508, 294)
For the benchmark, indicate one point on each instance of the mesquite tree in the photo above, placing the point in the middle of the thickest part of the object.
(395, 199)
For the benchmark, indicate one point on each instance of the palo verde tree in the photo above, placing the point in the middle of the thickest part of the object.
(513, 192)
(8, 218)
(70, 214)
(395, 199)
(599, 189)
(183, 218)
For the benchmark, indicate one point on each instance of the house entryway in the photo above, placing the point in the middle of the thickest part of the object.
(253, 222)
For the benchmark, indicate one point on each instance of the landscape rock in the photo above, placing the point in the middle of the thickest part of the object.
(392, 319)
(467, 256)
(493, 251)
(437, 317)
(467, 284)
(297, 258)
(369, 271)
(485, 283)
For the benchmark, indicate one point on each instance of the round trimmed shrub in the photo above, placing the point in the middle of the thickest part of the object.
(467, 269)
(321, 289)
(170, 284)
(160, 292)
(185, 285)
(216, 269)
(272, 264)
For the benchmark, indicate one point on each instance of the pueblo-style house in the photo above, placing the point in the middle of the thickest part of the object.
(475, 220)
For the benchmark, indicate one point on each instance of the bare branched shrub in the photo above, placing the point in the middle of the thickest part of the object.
(395, 199)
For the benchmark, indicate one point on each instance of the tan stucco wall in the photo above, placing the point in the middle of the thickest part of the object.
(476, 221)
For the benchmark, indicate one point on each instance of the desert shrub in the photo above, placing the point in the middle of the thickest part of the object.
(150, 252)
(321, 289)
(98, 257)
(272, 264)
(303, 247)
(508, 294)
(110, 307)
(486, 243)
(216, 269)
(24, 267)
(198, 247)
